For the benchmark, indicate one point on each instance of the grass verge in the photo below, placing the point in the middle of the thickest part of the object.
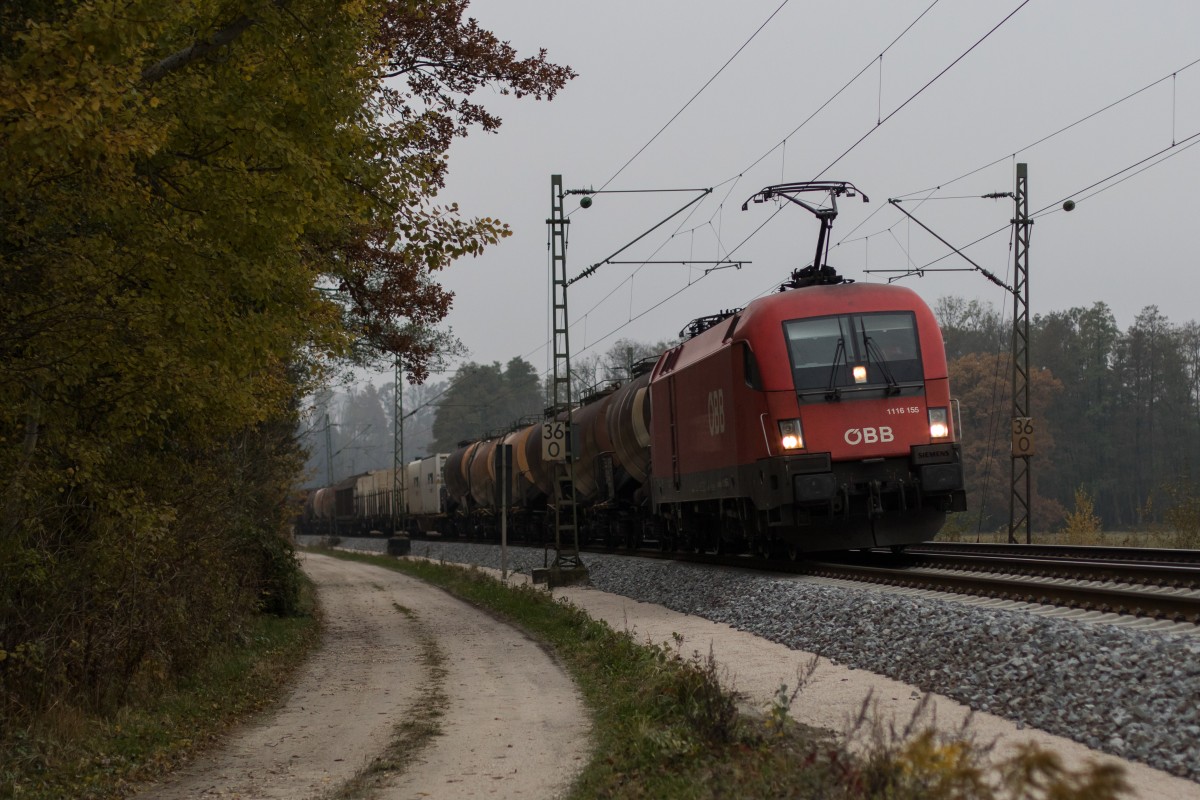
(67, 753)
(664, 728)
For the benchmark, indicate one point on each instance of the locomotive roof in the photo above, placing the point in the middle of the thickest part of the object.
(817, 301)
(760, 323)
(820, 301)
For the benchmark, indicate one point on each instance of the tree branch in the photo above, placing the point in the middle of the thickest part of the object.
(182, 58)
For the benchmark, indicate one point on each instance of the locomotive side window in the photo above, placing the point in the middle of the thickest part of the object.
(750, 367)
(854, 351)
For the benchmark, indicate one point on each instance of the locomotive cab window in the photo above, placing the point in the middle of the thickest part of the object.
(854, 352)
(750, 368)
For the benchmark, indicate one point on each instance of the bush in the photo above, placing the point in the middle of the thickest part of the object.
(1083, 524)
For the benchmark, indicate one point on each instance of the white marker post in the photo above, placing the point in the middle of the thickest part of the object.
(503, 490)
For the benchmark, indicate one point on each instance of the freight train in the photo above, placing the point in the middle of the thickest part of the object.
(816, 418)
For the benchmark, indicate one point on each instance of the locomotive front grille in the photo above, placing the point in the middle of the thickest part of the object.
(820, 487)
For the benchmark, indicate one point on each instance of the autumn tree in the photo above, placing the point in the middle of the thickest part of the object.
(201, 206)
(982, 385)
(970, 326)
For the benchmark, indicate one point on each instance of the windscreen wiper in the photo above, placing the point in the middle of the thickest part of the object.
(832, 392)
(873, 352)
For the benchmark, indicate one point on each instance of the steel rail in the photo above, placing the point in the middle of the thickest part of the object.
(1140, 573)
(1085, 552)
(1157, 604)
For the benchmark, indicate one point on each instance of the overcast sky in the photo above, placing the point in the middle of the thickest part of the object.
(1051, 64)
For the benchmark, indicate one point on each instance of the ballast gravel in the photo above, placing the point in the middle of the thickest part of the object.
(1133, 694)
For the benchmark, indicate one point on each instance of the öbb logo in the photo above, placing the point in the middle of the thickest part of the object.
(857, 436)
(716, 412)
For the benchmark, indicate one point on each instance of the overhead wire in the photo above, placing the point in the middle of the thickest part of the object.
(891, 114)
(920, 91)
(1056, 133)
(692, 99)
(1051, 208)
(928, 191)
(837, 94)
(732, 181)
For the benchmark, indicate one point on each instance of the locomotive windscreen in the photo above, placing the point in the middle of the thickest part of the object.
(852, 352)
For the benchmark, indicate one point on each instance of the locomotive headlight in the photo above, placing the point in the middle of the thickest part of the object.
(939, 423)
(860, 373)
(790, 435)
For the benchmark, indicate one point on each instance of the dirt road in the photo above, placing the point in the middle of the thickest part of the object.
(511, 722)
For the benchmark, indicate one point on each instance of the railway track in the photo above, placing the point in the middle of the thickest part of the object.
(1158, 584)
(1140, 582)
(1129, 555)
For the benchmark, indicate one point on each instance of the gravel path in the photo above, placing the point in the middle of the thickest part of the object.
(525, 735)
(1133, 694)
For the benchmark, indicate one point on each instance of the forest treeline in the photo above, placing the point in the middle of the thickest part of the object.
(206, 210)
(1117, 413)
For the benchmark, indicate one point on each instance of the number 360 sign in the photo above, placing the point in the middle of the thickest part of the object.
(1022, 437)
(554, 440)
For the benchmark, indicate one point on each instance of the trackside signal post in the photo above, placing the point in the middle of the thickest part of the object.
(1022, 419)
(557, 436)
(567, 566)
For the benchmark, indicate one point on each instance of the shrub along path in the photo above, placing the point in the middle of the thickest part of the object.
(406, 677)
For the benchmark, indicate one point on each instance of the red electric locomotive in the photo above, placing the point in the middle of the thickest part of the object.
(818, 418)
